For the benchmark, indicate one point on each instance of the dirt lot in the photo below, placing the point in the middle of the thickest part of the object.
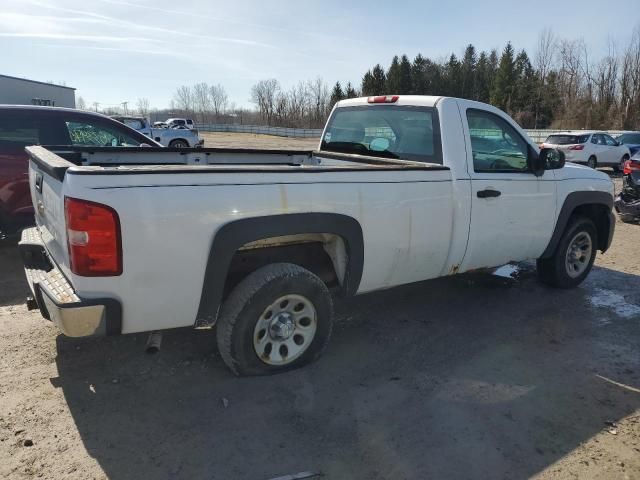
(250, 140)
(474, 376)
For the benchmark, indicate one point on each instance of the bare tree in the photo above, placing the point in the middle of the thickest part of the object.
(543, 61)
(183, 99)
(219, 100)
(144, 106)
(319, 96)
(264, 94)
(200, 98)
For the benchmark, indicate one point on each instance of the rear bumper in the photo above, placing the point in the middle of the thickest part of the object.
(58, 301)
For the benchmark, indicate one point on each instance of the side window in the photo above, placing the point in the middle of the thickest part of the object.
(598, 139)
(17, 133)
(85, 133)
(496, 145)
(610, 141)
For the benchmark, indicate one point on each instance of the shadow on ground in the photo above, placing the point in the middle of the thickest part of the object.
(462, 377)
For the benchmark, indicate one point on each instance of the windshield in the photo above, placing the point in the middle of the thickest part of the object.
(566, 139)
(629, 138)
(390, 131)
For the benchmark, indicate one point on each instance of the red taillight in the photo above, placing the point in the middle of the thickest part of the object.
(383, 99)
(93, 238)
(630, 166)
(576, 147)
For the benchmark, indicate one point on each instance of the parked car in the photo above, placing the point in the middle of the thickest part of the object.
(175, 137)
(400, 191)
(181, 122)
(23, 125)
(631, 140)
(595, 149)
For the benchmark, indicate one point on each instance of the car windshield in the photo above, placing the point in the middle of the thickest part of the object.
(390, 131)
(566, 139)
(629, 138)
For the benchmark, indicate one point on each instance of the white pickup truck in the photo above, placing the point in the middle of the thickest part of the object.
(255, 242)
(181, 137)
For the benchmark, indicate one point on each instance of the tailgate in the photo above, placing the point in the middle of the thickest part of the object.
(46, 176)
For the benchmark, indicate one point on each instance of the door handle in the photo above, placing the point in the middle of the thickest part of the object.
(488, 193)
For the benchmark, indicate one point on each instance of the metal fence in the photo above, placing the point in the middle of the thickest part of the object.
(536, 135)
(541, 135)
(263, 130)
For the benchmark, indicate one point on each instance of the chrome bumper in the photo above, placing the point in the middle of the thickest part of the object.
(56, 298)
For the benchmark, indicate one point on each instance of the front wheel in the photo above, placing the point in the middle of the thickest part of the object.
(278, 318)
(178, 144)
(573, 258)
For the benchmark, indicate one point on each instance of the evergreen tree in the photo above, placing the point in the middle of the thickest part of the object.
(525, 91)
(379, 80)
(484, 77)
(502, 94)
(350, 92)
(418, 75)
(336, 94)
(367, 86)
(453, 77)
(468, 71)
(393, 77)
(405, 84)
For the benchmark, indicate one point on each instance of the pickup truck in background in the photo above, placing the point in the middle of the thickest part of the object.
(23, 125)
(256, 242)
(172, 136)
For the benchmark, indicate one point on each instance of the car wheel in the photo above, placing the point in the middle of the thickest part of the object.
(178, 144)
(620, 167)
(592, 162)
(278, 318)
(574, 255)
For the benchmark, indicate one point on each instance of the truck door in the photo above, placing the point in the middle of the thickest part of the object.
(512, 210)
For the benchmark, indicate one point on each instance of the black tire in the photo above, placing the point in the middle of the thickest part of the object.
(178, 144)
(249, 300)
(553, 271)
(592, 162)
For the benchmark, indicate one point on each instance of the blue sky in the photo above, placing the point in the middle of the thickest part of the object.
(119, 50)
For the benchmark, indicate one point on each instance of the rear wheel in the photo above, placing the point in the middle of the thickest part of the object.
(178, 144)
(278, 318)
(574, 255)
(592, 162)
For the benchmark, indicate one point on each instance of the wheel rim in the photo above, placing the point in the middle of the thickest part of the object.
(578, 254)
(285, 329)
(179, 145)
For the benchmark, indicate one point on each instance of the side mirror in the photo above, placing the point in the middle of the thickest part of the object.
(535, 161)
(552, 158)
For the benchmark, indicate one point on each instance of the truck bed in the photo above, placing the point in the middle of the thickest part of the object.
(55, 160)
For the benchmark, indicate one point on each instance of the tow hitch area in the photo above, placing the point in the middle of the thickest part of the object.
(32, 304)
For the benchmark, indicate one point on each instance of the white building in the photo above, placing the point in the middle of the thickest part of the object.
(20, 91)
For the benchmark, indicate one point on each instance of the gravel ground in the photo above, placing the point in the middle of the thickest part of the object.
(473, 376)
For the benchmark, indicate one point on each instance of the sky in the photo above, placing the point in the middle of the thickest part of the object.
(113, 51)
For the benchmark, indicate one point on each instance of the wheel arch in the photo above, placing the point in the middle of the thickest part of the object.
(231, 236)
(594, 205)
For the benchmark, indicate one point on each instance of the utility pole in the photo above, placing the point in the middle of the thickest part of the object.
(124, 107)
(95, 106)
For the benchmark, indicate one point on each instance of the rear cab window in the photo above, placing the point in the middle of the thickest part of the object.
(88, 133)
(387, 131)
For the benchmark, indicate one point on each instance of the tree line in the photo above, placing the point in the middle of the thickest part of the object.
(561, 86)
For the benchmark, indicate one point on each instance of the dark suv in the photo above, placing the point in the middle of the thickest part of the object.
(23, 125)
